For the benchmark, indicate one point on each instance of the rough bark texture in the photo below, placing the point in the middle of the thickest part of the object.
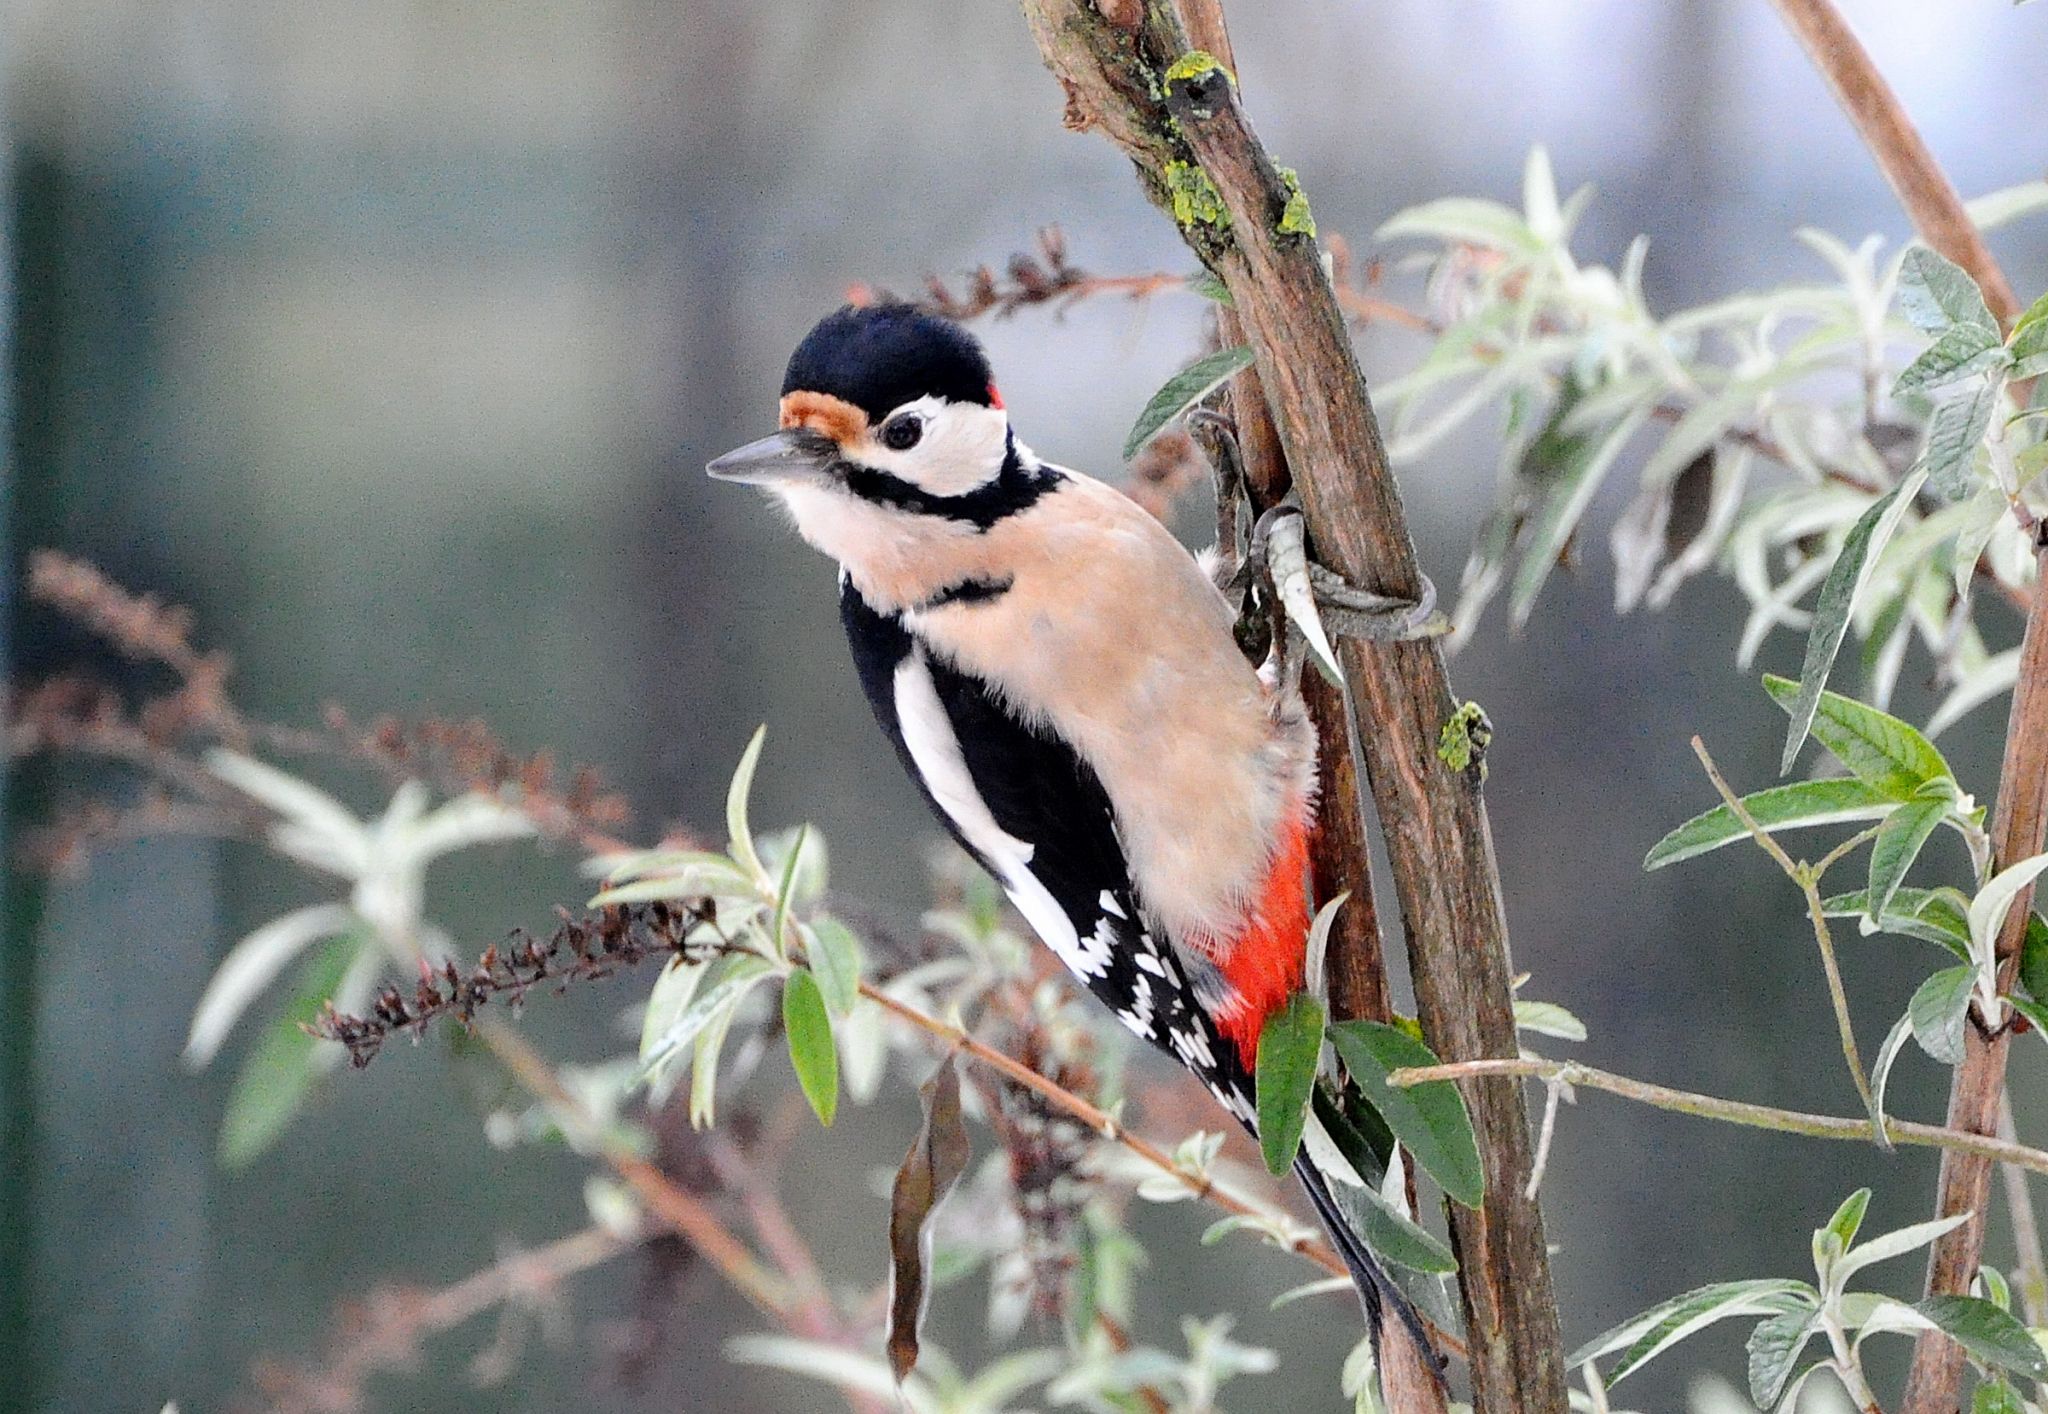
(1935, 1383)
(1198, 158)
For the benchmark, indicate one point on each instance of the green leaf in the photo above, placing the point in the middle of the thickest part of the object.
(1881, 1068)
(1954, 434)
(1860, 550)
(2007, 204)
(1989, 1334)
(1182, 391)
(809, 1029)
(834, 955)
(1938, 1009)
(672, 992)
(1898, 843)
(1570, 467)
(1877, 747)
(1548, 1019)
(936, 1159)
(1790, 807)
(1288, 1049)
(736, 827)
(1391, 1233)
(1774, 1348)
(778, 928)
(1993, 904)
(2034, 958)
(1997, 1397)
(1664, 1325)
(1937, 294)
(1429, 1119)
(1959, 353)
(1205, 284)
(279, 1072)
(1848, 1218)
(1896, 1243)
(1933, 915)
(737, 976)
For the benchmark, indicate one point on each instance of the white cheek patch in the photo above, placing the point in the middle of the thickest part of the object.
(963, 447)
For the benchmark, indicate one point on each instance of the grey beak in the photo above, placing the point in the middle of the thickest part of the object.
(790, 455)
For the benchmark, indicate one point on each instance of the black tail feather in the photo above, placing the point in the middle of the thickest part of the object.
(1375, 1289)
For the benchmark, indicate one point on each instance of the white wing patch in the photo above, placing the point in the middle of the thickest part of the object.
(928, 734)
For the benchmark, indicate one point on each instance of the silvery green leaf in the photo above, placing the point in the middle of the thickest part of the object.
(2008, 204)
(673, 989)
(708, 1003)
(1789, 807)
(1881, 1069)
(834, 955)
(316, 828)
(1937, 294)
(1328, 1286)
(1933, 915)
(1579, 464)
(1182, 391)
(831, 1364)
(807, 883)
(740, 834)
(251, 966)
(1960, 353)
(1848, 1218)
(1954, 434)
(1893, 1244)
(1318, 947)
(1463, 221)
(1990, 1335)
(1853, 563)
(281, 1068)
(694, 881)
(1899, 842)
(461, 822)
(1994, 677)
(785, 891)
(1938, 1010)
(1548, 1019)
(1644, 1337)
(863, 1050)
(1994, 901)
(1774, 1349)
(705, 1051)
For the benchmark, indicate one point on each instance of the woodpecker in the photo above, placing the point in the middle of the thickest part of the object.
(1059, 677)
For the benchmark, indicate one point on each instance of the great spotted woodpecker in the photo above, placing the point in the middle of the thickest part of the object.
(1060, 679)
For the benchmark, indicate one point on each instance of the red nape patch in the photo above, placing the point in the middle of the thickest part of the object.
(1264, 963)
(995, 399)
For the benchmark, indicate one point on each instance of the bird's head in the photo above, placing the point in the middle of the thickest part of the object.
(883, 403)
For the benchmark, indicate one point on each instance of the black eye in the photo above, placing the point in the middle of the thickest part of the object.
(900, 434)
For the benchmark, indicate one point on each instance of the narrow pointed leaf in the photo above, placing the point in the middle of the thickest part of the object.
(1995, 900)
(737, 830)
(1933, 915)
(1957, 354)
(1877, 747)
(808, 1027)
(1789, 807)
(1392, 1234)
(1991, 1335)
(1898, 843)
(278, 1075)
(1430, 1120)
(1644, 1337)
(672, 992)
(1860, 550)
(1954, 434)
(1849, 1217)
(936, 1159)
(1183, 391)
(1881, 1069)
(1574, 467)
(834, 956)
(251, 966)
(1288, 1049)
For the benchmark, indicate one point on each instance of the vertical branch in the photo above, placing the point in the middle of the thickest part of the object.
(1902, 155)
(1934, 1386)
(1340, 855)
(1979, 1086)
(1197, 156)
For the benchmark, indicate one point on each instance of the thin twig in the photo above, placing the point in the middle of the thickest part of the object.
(1807, 877)
(1813, 1126)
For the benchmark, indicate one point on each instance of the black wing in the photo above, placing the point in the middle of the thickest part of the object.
(1034, 814)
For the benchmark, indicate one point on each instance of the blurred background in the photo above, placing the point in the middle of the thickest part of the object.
(392, 338)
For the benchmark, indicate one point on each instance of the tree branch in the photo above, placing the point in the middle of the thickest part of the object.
(1813, 1126)
(1196, 156)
